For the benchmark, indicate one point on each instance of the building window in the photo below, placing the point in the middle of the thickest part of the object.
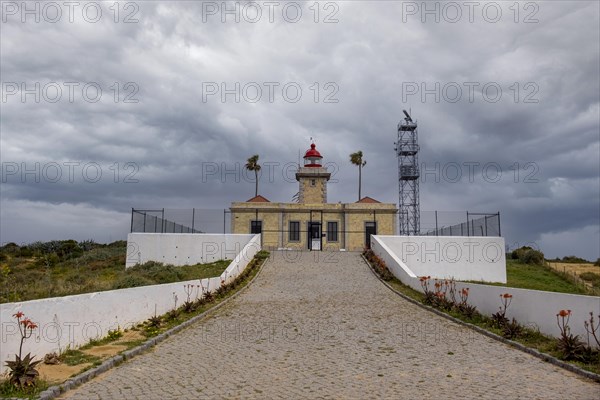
(332, 231)
(255, 227)
(294, 231)
(313, 182)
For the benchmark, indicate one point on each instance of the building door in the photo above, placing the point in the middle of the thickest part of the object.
(370, 229)
(314, 236)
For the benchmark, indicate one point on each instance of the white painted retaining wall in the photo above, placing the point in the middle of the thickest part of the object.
(74, 320)
(533, 308)
(183, 248)
(460, 257)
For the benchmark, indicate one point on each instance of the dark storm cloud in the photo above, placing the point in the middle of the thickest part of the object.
(187, 149)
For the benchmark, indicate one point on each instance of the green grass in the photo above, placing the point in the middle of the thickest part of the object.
(7, 390)
(538, 277)
(99, 269)
(76, 357)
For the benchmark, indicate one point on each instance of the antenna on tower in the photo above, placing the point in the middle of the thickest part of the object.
(407, 149)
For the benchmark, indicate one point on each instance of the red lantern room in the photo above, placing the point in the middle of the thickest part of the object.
(312, 158)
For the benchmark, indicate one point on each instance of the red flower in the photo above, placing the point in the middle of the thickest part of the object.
(18, 314)
(506, 296)
(564, 313)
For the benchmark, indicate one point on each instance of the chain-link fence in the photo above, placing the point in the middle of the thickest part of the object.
(456, 223)
(169, 220)
(200, 220)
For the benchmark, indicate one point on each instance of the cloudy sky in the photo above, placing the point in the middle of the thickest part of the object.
(150, 104)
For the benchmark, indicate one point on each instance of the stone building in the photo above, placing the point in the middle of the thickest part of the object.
(313, 223)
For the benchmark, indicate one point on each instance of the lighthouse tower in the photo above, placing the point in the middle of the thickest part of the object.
(312, 178)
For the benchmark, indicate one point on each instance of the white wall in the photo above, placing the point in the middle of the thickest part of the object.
(74, 320)
(183, 248)
(242, 259)
(459, 257)
(533, 308)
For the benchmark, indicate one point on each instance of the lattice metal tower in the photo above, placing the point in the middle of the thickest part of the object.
(407, 151)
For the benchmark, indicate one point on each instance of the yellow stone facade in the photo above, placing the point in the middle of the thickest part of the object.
(312, 223)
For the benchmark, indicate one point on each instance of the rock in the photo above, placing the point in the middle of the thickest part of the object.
(51, 358)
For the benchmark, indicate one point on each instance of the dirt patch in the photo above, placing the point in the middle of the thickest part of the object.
(131, 336)
(60, 372)
(107, 350)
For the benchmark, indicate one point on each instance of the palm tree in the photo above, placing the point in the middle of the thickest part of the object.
(357, 159)
(252, 165)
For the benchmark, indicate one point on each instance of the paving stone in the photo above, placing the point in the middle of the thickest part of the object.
(320, 325)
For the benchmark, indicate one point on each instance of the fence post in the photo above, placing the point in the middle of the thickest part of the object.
(162, 222)
(468, 224)
(499, 232)
(145, 214)
(131, 229)
(193, 218)
(485, 223)
(436, 225)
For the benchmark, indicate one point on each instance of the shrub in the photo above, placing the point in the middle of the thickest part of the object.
(158, 272)
(10, 248)
(69, 249)
(132, 281)
(115, 334)
(379, 265)
(528, 255)
(574, 259)
(570, 345)
(517, 254)
(511, 330)
(592, 329)
(533, 257)
(22, 371)
(118, 243)
(262, 254)
(88, 245)
(154, 321)
(26, 251)
(208, 297)
(48, 260)
(590, 276)
(467, 310)
(499, 318)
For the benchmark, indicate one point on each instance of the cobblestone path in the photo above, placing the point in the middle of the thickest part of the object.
(320, 325)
